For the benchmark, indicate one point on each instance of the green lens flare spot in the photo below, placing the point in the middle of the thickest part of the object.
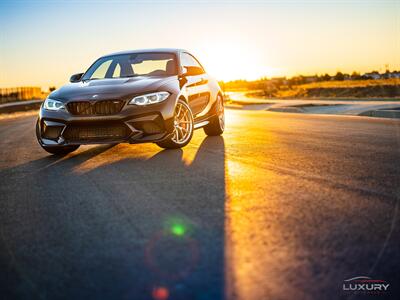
(178, 229)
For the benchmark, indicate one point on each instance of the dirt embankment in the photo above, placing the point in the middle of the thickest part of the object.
(388, 88)
(384, 91)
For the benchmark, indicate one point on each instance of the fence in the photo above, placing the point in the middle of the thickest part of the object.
(20, 93)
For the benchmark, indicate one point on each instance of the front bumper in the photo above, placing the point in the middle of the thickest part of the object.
(133, 124)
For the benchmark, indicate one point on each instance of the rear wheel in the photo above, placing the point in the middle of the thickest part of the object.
(217, 123)
(58, 150)
(183, 127)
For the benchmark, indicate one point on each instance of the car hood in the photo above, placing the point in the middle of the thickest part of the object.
(115, 88)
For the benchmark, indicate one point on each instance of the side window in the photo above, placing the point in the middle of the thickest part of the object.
(188, 60)
(101, 71)
(117, 71)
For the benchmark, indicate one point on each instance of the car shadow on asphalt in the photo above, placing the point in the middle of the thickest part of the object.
(133, 228)
(57, 161)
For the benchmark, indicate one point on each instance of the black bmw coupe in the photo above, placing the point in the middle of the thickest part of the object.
(154, 95)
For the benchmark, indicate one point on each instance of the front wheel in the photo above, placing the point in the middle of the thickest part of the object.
(183, 127)
(217, 123)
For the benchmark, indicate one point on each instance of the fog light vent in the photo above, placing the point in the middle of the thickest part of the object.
(52, 132)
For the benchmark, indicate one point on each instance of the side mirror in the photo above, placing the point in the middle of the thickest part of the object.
(193, 71)
(76, 77)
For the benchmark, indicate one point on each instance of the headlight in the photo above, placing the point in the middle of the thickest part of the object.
(150, 98)
(51, 104)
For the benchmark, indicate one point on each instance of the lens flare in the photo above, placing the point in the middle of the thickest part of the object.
(178, 229)
(178, 226)
(160, 293)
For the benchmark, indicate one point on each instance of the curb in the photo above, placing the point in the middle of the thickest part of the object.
(20, 106)
(287, 109)
(383, 113)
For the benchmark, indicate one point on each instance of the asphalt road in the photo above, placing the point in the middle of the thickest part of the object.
(283, 206)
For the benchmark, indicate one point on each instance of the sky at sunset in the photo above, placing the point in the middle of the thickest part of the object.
(43, 43)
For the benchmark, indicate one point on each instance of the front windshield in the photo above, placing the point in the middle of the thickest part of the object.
(133, 64)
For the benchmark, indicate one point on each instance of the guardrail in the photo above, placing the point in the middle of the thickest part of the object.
(20, 106)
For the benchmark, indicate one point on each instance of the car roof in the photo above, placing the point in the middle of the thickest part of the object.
(154, 50)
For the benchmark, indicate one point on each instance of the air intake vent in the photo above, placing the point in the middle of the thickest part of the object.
(76, 133)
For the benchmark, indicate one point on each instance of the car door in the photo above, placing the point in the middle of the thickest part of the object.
(197, 85)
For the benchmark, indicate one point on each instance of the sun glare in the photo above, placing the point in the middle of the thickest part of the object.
(235, 61)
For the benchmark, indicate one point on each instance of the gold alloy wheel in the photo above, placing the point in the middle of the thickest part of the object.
(183, 124)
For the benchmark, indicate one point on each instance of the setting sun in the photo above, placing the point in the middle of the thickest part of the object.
(235, 60)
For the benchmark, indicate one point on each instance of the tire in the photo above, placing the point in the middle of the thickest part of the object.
(217, 122)
(58, 150)
(183, 127)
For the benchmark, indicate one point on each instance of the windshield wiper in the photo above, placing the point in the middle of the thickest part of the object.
(127, 76)
(89, 79)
